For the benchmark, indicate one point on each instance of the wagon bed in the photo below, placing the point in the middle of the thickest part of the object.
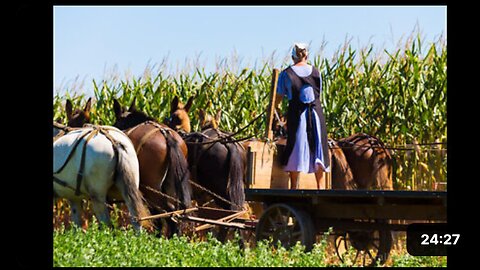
(359, 204)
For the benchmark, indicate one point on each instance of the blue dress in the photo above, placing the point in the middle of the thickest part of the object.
(301, 159)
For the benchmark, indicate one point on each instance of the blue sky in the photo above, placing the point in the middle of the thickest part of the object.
(93, 42)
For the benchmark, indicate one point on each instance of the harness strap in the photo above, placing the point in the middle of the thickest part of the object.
(144, 139)
(147, 136)
(71, 152)
(60, 134)
(132, 129)
(91, 133)
(82, 161)
(195, 159)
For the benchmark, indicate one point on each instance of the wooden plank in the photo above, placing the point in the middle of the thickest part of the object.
(214, 213)
(220, 223)
(265, 170)
(271, 108)
(224, 219)
(169, 214)
(262, 153)
(405, 212)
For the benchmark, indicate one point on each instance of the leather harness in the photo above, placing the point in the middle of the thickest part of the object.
(143, 140)
(91, 133)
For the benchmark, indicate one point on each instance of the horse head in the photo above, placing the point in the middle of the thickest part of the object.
(78, 117)
(207, 121)
(126, 119)
(179, 119)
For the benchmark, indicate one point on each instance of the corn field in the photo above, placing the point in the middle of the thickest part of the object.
(398, 96)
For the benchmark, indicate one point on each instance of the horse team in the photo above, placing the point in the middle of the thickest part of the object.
(161, 167)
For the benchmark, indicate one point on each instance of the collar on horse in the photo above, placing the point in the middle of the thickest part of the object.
(91, 133)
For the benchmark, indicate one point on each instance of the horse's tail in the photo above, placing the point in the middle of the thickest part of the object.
(342, 176)
(178, 172)
(127, 178)
(235, 183)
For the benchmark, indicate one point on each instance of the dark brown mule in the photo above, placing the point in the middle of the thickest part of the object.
(227, 157)
(370, 161)
(218, 166)
(78, 117)
(162, 158)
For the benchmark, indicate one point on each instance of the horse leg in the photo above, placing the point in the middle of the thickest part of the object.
(76, 208)
(101, 212)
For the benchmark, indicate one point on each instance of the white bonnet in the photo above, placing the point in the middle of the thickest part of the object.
(299, 46)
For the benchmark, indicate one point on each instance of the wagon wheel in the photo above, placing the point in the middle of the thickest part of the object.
(286, 224)
(371, 246)
(342, 245)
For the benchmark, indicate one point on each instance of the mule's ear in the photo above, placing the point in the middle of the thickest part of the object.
(201, 116)
(88, 106)
(117, 108)
(132, 106)
(218, 116)
(189, 104)
(174, 104)
(69, 109)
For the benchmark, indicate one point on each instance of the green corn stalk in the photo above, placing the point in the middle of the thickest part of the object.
(398, 96)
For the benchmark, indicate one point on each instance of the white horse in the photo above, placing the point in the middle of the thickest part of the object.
(97, 162)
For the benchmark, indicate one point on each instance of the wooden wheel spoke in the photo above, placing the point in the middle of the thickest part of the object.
(272, 222)
(286, 224)
(281, 215)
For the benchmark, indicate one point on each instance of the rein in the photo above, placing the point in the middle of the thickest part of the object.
(224, 139)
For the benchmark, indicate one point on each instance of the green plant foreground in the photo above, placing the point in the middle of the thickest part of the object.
(125, 248)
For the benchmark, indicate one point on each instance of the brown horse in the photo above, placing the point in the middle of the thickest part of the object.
(370, 161)
(342, 175)
(216, 163)
(217, 166)
(162, 158)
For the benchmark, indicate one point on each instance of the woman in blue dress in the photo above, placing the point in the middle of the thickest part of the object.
(307, 149)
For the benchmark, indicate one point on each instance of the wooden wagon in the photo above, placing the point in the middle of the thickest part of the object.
(363, 219)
